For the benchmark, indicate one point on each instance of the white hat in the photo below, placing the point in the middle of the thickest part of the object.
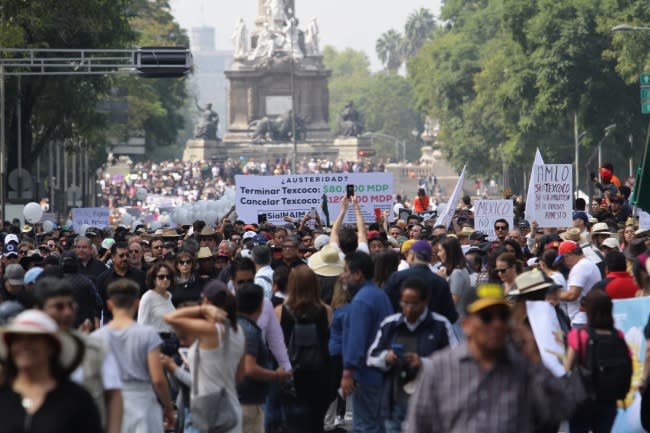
(601, 229)
(249, 235)
(36, 322)
(108, 243)
(611, 243)
(246, 253)
(11, 238)
(327, 262)
(321, 241)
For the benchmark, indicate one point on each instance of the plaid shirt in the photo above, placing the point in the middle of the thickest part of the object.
(455, 395)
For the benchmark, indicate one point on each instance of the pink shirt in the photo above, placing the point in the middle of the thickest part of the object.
(572, 340)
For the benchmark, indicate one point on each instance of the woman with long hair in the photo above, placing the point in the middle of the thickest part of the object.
(454, 270)
(156, 302)
(386, 263)
(304, 307)
(37, 395)
(219, 342)
(596, 415)
(186, 287)
(507, 268)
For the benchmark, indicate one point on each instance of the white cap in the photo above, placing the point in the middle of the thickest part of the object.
(249, 234)
(11, 238)
(321, 241)
(611, 243)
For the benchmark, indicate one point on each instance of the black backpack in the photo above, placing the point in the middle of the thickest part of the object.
(305, 350)
(609, 364)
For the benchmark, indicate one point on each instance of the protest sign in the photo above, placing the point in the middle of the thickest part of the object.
(90, 216)
(486, 212)
(644, 219)
(548, 335)
(293, 196)
(631, 316)
(445, 217)
(530, 196)
(553, 186)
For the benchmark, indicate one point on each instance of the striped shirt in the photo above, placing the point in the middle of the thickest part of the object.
(455, 395)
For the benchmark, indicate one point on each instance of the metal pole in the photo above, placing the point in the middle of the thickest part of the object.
(600, 154)
(294, 164)
(50, 173)
(577, 153)
(3, 147)
(19, 128)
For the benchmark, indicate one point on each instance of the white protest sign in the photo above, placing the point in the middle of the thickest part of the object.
(553, 206)
(644, 219)
(90, 216)
(548, 335)
(486, 212)
(294, 196)
(530, 196)
(445, 217)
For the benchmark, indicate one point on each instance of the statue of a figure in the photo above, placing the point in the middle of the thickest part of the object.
(350, 124)
(276, 11)
(208, 123)
(266, 43)
(311, 38)
(292, 44)
(278, 128)
(240, 39)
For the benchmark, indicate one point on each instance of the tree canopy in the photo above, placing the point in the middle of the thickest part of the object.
(506, 76)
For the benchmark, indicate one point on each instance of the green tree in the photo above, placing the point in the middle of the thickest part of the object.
(389, 49)
(418, 30)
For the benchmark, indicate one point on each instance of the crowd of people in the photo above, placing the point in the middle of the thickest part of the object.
(423, 328)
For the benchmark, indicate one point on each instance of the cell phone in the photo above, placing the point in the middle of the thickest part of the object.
(377, 213)
(349, 190)
(398, 349)
(261, 218)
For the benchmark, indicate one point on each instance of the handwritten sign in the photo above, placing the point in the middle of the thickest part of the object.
(486, 212)
(548, 335)
(553, 203)
(90, 216)
(644, 219)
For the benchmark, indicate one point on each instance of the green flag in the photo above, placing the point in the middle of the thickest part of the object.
(641, 194)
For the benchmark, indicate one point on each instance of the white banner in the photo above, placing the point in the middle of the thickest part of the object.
(445, 217)
(90, 216)
(553, 203)
(293, 196)
(530, 197)
(548, 335)
(486, 212)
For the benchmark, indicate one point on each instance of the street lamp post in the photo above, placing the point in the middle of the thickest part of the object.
(293, 96)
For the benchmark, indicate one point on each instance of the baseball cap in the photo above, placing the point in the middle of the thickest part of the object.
(581, 215)
(11, 238)
(566, 247)
(15, 274)
(422, 250)
(32, 275)
(611, 243)
(249, 235)
(406, 245)
(249, 227)
(484, 296)
(10, 249)
(477, 236)
(260, 240)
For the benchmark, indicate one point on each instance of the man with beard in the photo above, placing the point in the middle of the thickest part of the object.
(368, 308)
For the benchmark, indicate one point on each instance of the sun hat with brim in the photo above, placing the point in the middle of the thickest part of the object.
(484, 296)
(641, 233)
(35, 322)
(573, 234)
(327, 262)
(204, 253)
(530, 281)
(207, 231)
(601, 229)
(170, 233)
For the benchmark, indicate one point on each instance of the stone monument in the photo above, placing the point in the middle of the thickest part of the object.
(278, 69)
(204, 142)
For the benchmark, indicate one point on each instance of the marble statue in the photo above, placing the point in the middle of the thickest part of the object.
(311, 38)
(267, 42)
(292, 44)
(276, 11)
(240, 40)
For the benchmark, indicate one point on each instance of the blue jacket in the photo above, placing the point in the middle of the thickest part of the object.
(433, 333)
(440, 300)
(369, 307)
(335, 345)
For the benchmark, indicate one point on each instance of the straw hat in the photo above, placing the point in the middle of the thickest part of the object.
(35, 322)
(530, 281)
(601, 229)
(207, 231)
(170, 233)
(327, 262)
(573, 234)
(204, 253)
(465, 232)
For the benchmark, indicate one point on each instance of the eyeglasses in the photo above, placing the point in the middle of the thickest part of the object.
(500, 271)
(488, 316)
(500, 228)
(164, 277)
(184, 262)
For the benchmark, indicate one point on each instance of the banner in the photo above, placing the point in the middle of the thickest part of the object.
(548, 335)
(90, 216)
(553, 203)
(530, 197)
(486, 212)
(631, 316)
(293, 196)
(445, 217)
(644, 219)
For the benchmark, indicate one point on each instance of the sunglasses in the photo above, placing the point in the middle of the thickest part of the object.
(164, 277)
(488, 316)
(500, 271)
(184, 262)
(500, 228)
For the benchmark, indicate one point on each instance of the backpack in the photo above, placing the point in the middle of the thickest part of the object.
(609, 364)
(305, 350)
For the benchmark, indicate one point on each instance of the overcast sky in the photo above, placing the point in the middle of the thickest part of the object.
(343, 23)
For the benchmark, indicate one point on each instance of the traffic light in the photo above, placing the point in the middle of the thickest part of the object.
(366, 153)
(162, 62)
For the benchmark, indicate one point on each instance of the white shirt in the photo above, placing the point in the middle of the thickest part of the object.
(584, 274)
(264, 278)
(153, 308)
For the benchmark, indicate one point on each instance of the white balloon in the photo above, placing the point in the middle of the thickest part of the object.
(141, 194)
(33, 212)
(48, 226)
(155, 225)
(127, 218)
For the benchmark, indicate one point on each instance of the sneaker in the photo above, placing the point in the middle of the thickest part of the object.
(339, 421)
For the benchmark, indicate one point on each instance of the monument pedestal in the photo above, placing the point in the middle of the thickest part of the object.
(198, 149)
(348, 147)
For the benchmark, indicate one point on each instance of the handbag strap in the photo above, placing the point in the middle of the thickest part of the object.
(224, 340)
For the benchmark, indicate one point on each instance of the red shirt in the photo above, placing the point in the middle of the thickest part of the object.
(622, 286)
(421, 203)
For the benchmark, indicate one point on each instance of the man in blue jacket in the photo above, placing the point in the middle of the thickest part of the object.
(368, 308)
(418, 258)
